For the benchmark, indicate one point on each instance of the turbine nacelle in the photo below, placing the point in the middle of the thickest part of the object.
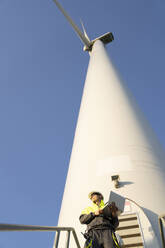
(106, 38)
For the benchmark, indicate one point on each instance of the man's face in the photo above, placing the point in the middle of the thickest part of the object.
(96, 199)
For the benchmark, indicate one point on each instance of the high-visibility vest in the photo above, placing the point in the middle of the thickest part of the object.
(93, 208)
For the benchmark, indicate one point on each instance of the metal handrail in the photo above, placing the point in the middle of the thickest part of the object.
(162, 234)
(26, 228)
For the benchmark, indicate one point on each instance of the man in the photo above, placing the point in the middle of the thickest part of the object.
(101, 224)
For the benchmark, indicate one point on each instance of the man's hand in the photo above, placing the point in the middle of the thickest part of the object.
(114, 209)
(99, 211)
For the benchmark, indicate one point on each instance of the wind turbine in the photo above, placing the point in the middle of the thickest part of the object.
(114, 149)
(106, 38)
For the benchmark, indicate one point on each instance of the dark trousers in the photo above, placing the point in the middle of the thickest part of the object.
(102, 238)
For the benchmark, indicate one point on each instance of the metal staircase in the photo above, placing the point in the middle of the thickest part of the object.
(129, 231)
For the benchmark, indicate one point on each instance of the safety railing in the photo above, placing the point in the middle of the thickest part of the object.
(26, 228)
(161, 223)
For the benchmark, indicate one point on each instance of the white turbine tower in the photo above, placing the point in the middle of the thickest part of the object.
(114, 149)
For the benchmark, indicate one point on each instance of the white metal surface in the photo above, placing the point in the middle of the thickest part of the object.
(112, 137)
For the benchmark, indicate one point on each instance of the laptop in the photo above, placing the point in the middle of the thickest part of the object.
(118, 199)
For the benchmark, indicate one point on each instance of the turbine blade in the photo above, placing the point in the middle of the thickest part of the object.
(85, 33)
(74, 26)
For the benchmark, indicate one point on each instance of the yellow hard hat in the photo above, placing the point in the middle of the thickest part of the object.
(95, 193)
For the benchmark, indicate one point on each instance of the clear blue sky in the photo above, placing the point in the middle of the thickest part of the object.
(42, 73)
